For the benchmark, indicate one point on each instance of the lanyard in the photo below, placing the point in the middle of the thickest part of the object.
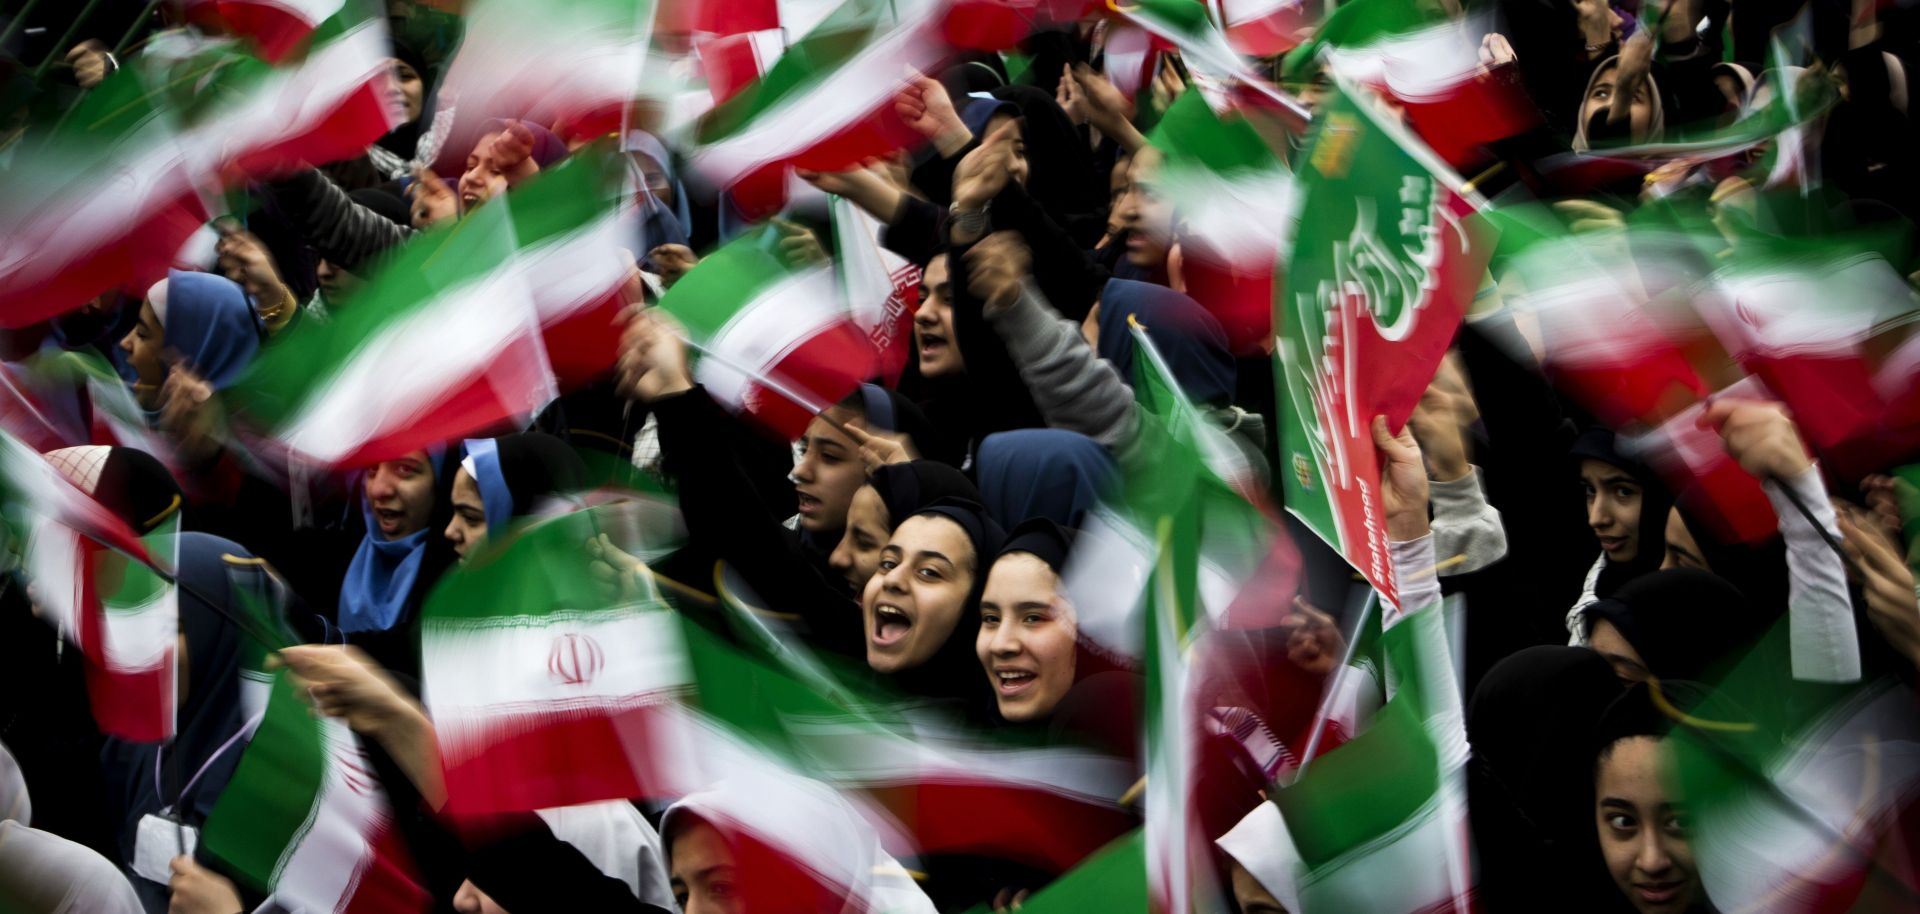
(157, 791)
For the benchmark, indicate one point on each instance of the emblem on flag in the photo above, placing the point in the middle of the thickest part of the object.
(575, 659)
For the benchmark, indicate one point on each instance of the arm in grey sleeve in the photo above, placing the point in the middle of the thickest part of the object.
(1465, 524)
(1075, 389)
(344, 232)
(1825, 646)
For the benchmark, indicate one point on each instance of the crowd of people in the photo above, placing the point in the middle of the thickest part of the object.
(919, 540)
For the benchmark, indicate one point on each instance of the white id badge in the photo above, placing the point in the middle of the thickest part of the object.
(157, 842)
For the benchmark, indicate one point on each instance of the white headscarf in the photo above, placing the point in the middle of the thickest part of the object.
(42, 873)
(1262, 845)
(808, 818)
(15, 804)
(1656, 119)
(617, 840)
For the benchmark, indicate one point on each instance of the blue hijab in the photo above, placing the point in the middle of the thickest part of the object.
(978, 111)
(196, 765)
(514, 472)
(381, 577)
(1188, 337)
(659, 225)
(1042, 472)
(209, 320)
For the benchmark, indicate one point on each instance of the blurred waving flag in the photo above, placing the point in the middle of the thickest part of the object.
(776, 340)
(92, 576)
(946, 789)
(277, 27)
(827, 104)
(572, 62)
(1428, 62)
(305, 819)
(1808, 319)
(1391, 800)
(1800, 793)
(1386, 255)
(1263, 28)
(254, 117)
(102, 200)
(882, 288)
(447, 339)
(1226, 185)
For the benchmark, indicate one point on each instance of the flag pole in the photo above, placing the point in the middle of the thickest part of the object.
(771, 383)
(1340, 672)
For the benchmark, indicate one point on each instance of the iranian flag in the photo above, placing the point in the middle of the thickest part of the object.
(945, 788)
(716, 17)
(254, 119)
(1263, 28)
(1391, 800)
(124, 616)
(1379, 277)
(576, 63)
(1225, 184)
(543, 690)
(93, 578)
(733, 62)
(993, 25)
(1804, 317)
(305, 820)
(776, 340)
(1429, 63)
(826, 104)
(277, 27)
(102, 200)
(451, 336)
(882, 289)
(808, 845)
(1801, 793)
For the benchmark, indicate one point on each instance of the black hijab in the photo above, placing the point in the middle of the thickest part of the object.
(1599, 443)
(1061, 176)
(953, 672)
(1530, 783)
(1683, 622)
(906, 488)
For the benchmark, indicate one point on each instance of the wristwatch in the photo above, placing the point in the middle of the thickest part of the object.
(972, 221)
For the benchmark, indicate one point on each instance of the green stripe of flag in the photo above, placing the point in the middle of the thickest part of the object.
(579, 191)
(725, 283)
(294, 368)
(274, 793)
(838, 39)
(128, 585)
(527, 576)
(1190, 135)
(1112, 880)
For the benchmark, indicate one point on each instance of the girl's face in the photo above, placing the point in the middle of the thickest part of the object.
(654, 176)
(1600, 97)
(1683, 551)
(1026, 641)
(401, 493)
(859, 551)
(917, 593)
(1146, 215)
(933, 323)
(407, 89)
(1613, 508)
(1643, 833)
(1018, 169)
(827, 472)
(143, 345)
(468, 528)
